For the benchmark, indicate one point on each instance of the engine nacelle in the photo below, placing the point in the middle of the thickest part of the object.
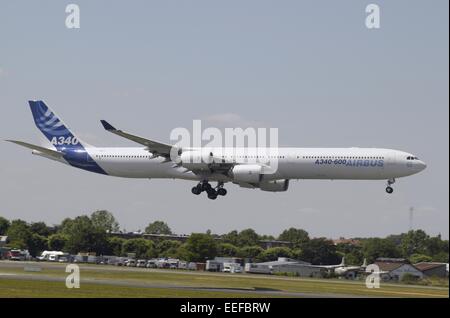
(274, 185)
(247, 173)
(196, 160)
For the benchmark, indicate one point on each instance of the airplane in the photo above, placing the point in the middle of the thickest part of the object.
(153, 160)
(341, 269)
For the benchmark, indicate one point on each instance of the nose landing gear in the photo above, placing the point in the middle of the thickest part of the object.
(211, 192)
(390, 182)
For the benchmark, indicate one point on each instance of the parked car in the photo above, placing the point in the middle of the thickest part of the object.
(130, 263)
(151, 264)
(119, 262)
(141, 263)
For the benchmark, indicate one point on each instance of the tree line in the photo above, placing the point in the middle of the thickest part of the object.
(95, 233)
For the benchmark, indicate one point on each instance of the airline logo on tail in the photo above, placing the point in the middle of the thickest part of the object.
(52, 127)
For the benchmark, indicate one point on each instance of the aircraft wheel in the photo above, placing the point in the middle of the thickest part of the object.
(196, 190)
(222, 191)
(212, 196)
(389, 190)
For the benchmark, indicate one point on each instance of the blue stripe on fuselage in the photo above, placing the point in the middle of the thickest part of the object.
(80, 158)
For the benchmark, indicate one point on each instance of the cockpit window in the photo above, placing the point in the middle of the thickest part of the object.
(412, 158)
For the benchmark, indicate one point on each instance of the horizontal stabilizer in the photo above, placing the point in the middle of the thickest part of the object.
(46, 151)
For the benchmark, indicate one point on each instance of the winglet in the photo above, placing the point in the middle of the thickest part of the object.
(107, 125)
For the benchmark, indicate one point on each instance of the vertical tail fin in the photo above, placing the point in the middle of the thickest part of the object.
(52, 127)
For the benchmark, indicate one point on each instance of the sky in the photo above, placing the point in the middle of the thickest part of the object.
(312, 69)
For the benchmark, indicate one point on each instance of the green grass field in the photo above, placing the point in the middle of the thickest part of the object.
(117, 282)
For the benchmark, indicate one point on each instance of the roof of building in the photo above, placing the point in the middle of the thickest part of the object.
(391, 266)
(388, 267)
(3, 238)
(424, 266)
(343, 240)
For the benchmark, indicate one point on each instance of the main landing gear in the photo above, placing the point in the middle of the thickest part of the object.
(390, 182)
(212, 193)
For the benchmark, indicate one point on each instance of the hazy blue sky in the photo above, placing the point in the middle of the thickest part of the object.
(310, 68)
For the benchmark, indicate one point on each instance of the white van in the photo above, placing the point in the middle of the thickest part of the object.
(51, 256)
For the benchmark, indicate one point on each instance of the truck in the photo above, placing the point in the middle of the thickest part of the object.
(19, 255)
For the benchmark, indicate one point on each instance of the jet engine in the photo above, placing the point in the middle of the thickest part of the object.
(247, 173)
(274, 185)
(196, 160)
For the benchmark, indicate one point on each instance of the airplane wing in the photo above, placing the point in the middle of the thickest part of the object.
(49, 152)
(155, 147)
(324, 266)
(342, 264)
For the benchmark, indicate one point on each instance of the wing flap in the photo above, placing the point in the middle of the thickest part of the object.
(49, 152)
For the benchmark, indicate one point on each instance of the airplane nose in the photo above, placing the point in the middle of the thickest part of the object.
(421, 165)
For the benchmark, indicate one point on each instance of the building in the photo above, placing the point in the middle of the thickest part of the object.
(218, 263)
(285, 265)
(265, 244)
(431, 269)
(350, 241)
(396, 268)
(3, 240)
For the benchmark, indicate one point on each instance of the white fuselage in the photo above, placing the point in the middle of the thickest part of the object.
(292, 163)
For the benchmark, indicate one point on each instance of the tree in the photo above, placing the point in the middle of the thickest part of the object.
(141, 247)
(248, 237)
(158, 227)
(40, 228)
(185, 254)
(201, 247)
(227, 249)
(296, 236)
(441, 257)
(251, 252)
(319, 251)
(168, 248)
(57, 242)
(417, 258)
(373, 248)
(435, 245)
(83, 236)
(273, 253)
(232, 238)
(4, 225)
(19, 234)
(353, 253)
(115, 245)
(36, 244)
(65, 225)
(105, 220)
(414, 242)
